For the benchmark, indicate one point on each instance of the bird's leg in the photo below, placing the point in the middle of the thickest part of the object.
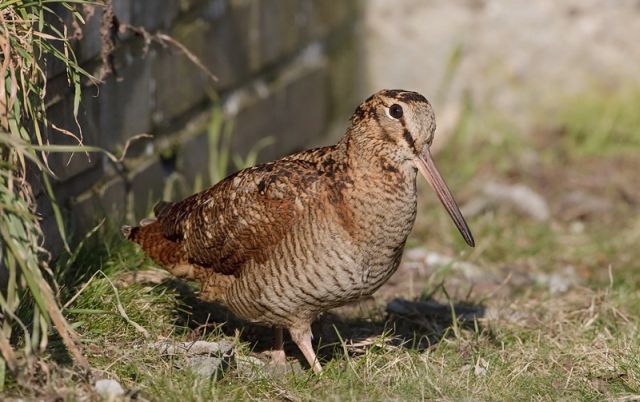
(277, 355)
(302, 338)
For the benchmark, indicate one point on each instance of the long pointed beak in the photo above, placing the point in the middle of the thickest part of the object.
(428, 169)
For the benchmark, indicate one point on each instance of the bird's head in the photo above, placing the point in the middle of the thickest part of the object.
(399, 126)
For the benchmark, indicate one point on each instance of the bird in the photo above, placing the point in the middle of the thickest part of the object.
(281, 242)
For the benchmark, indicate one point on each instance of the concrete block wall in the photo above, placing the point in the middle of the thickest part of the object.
(286, 69)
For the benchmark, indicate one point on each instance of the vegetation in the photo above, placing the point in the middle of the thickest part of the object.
(30, 37)
(555, 303)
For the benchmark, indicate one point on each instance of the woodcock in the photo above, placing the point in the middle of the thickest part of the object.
(282, 242)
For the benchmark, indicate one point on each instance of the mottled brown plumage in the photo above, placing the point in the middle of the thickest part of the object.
(281, 242)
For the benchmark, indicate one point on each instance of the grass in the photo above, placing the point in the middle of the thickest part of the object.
(532, 341)
(31, 35)
(597, 124)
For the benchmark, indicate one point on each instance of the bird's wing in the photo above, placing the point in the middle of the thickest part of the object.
(243, 216)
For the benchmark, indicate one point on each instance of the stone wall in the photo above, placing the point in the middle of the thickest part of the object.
(286, 69)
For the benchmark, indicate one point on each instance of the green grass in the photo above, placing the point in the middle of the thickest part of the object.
(580, 348)
(597, 124)
(531, 343)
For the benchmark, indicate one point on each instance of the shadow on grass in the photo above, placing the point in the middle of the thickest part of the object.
(409, 324)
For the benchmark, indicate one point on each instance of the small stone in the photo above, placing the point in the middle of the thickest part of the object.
(206, 366)
(481, 367)
(515, 196)
(204, 358)
(577, 227)
(193, 348)
(560, 281)
(280, 370)
(255, 368)
(580, 205)
(109, 389)
(250, 366)
(204, 347)
(418, 256)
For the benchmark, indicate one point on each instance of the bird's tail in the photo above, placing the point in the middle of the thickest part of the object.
(169, 254)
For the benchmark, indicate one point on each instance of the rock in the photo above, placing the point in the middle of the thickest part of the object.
(502, 313)
(255, 368)
(476, 206)
(559, 282)
(419, 256)
(250, 366)
(206, 366)
(207, 359)
(481, 367)
(515, 196)
(579, 205)
(193, 348)
(109, 389)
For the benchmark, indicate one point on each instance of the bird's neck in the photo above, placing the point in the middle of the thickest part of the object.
(381, 192)
(374, 161)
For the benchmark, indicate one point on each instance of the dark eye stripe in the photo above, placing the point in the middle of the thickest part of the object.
(407, 137)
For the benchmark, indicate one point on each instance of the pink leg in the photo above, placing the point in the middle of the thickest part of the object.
(277, 355)
(302, 338)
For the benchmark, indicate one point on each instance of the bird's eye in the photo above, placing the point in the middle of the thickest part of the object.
(395, 111)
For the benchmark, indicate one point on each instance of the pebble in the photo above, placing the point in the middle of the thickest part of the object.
(109, 389)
